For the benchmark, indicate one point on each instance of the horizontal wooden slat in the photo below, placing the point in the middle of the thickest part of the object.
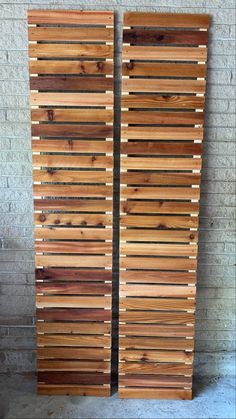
(73, 390)
(71, 83)
(75, 115)
(143, 290)
(74, 261)
(76, 302)
(159, 221)
(165, 118)
(98, 220)
(71, 99)
(144, 36)
(150, 368)
(150, 163)
(79, 366)
(73, 314)
(74, 328)
(163, 69)
(73, 247)
(154, 393)
(157, 249)
(156, 133)
(98, 162)
(70, 51)
(74, 176)
(145, 53)
(162, 86)
(159, 193)
(63, 274)
(156, 343)
(70, 17)
(68, 288)
(73, 378)
(72, 130)
(70, 67)
(158, 277)
(73, 191)
(156, 317)
(162, 207)
(153, 330)
(73, 353)
(152, 178)
(157, 263)
(77, 34)
(73, 146)
(73, 233)
(156, 356)
(70, 340)
(158, 101)
(156, 303)
(146, 147)
(176, 20)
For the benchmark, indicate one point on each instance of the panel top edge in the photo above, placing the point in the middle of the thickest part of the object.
(177, 20)
(71, 17)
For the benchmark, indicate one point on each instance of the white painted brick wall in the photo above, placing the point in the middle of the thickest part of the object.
(215, 309)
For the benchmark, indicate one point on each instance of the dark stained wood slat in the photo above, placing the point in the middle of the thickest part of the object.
(135, 68)
(54, 274)
(159, 37)
(73, 378)
(70, 17)
(175, 20)
(66, 288)
(72, 130)
(71, 83)
(73, 314)
(73, 353)
(78, 366)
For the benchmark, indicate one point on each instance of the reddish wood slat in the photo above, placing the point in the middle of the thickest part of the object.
(161, 147)
(72, 145)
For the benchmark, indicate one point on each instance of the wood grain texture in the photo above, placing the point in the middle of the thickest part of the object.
(163, 98)
(71, 55)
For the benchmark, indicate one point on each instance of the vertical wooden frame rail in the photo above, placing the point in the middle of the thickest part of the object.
(163, 88)
(71, 82)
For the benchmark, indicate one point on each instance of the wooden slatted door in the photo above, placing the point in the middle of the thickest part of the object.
(163, 87)
(71, 81)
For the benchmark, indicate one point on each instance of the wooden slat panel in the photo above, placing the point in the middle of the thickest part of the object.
(161, 147)
(71, 82)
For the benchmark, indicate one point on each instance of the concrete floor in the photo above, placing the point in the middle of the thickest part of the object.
(214, 398)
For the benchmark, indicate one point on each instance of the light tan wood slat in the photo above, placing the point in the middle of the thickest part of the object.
(73, 247)
(150, 163)
(74, 261)
(143, 290)
(85, 366)
(142, 235)
(146, 249)
(168, 118)
(73, 115)
(71, 99)
(72, 176)
(95, 220)
(156, 343)
(156, 317)
(154, 277)
(152, 178)
(163, 53)
(157, 263)
(70, 51)
(73, 233)
(70, 67)
(73, 328)
(72, 146)
(156, 304)
(176, 20)
(163, 69)
(153, 330)
(73, 353)
(156, 356)
(162, 148)
(162, 207)
(155, 221)
(77, 302)
(163, 101)
(70, 34)
(73, 390)
(70, 17)
(81, 340)
(159, 193)
(165, 369)
(66, 288)
(164, 86)
(154, 393)
(72, 191)
(96, 162)
(156, 133)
